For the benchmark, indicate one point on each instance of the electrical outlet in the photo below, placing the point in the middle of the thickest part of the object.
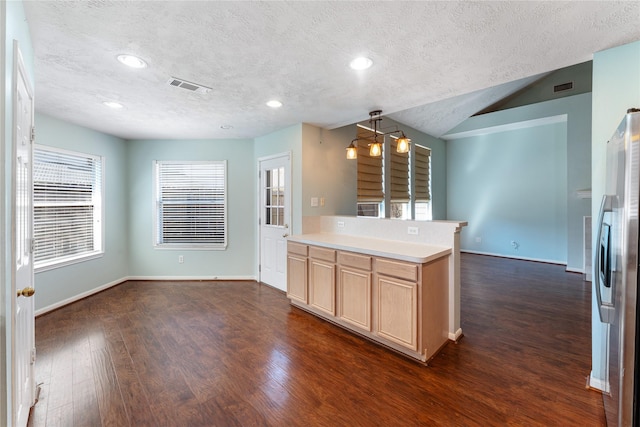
(340, 224)
(412, 230)
(180, 259)
(478, 239)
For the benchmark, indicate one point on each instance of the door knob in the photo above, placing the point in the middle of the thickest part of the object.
(26, 292)
(285, 235)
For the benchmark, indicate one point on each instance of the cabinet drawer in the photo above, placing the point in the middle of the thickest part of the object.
(297, 248)
(322, 254)
(349, 259)
(401, 270)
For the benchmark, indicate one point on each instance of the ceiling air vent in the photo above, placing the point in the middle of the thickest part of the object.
(563, 87)
(193, 87)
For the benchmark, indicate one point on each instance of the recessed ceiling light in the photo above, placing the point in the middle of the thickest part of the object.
(113, 104)
(132, 61)
(226, 127)
(361, 63)
(274, 103)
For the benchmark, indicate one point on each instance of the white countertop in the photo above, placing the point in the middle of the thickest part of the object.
(412, 252)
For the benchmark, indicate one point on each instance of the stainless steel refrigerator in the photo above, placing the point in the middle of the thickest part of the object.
(616, 275)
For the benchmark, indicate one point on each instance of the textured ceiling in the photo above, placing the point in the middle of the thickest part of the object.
(435, 63)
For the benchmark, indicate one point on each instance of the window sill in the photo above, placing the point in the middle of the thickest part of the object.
(52, 265)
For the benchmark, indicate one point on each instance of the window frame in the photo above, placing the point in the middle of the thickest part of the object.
(157, 244)
(98, 218)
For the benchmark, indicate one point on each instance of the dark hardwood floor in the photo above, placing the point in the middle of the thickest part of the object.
(237, 354)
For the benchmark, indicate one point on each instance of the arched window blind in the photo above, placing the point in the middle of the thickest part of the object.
(67, 206)
(370, 187)
(422, 165)
(191, 204)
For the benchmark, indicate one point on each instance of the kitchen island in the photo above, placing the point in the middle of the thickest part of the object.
(396, 293)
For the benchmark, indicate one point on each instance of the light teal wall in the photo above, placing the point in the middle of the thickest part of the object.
(238, 260)
(542, 90)
(490, 182)
(60, 284)
(13, 26)
(616, 87)
(288, 140)
(511, 186)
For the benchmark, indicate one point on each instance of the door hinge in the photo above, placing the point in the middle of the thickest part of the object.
(32, 245)
(259, 174)
(259, 268)
(33, 134)
(33, 355)
(259, 221)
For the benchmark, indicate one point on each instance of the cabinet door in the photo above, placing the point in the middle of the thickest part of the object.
(322, 286)
(297, 278)
(397, 311)
(354, 297)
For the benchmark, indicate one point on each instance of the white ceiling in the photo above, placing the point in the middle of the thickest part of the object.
(435, 63)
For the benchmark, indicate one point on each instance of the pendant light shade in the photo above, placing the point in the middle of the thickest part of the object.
(375, 148)
(352, 151)
(403, 144)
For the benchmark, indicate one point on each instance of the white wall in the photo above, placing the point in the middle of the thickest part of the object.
(57, 286)
(616, 87)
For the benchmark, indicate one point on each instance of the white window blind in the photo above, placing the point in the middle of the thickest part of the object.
(67, 206)
(191, 204)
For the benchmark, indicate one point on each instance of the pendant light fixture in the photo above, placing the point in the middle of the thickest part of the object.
(375, 148)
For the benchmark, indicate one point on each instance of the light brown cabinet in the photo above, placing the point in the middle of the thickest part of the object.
(297, 272)
(354, 289)
(399, 304)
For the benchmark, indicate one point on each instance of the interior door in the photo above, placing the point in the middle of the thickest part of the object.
(275, 219)
(23, 327)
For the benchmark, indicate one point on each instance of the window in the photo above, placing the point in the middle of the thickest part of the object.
(191, 204)
(422, 172)
(370, 177)
(67, 207)
(394, 184)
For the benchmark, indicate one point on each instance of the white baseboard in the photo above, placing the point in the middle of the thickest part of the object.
(124, 279)
(79, 296)
(455, 336)
(187, 278)
(599, 384)
(547, 261)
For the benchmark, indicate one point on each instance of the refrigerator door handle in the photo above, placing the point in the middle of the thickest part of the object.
(606, 310)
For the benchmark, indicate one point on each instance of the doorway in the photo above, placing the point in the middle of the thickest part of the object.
(275, 218)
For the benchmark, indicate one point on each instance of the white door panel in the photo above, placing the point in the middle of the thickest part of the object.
(23, 325)
(275, 219)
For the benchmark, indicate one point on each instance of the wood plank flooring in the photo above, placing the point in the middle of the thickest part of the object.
(237, 354)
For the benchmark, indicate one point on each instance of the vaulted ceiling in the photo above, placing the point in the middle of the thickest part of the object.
(435, 63)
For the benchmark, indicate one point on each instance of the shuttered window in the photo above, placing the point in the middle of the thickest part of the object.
(422, 165)
(191, 204)
(370, 185)
(67, 206)
(399, 174)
